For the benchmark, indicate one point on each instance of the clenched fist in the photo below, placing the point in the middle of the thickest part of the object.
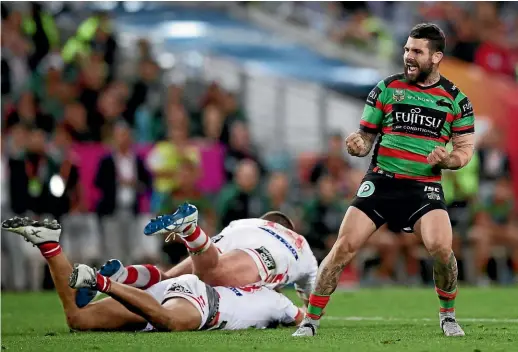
(439, 156)
(355, 144)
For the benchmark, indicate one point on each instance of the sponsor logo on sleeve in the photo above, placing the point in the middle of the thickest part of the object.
(373, 96)
(466, 108)
(266, 257)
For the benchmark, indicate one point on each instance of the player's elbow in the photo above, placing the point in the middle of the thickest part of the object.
(76, 321)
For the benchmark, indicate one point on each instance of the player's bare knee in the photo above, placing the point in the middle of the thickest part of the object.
(210, 277)
(345, 246)
(440, 251)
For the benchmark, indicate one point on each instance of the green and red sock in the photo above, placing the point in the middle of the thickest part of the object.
(316, 306)
(446, 300)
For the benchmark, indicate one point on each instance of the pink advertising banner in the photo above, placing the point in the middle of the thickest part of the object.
(89, 155)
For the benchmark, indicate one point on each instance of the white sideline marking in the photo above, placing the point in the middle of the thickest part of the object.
(466, 320)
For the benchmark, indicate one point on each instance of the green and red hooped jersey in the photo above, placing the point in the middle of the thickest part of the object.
(413, 120)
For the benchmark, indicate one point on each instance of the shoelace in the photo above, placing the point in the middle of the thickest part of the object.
(92, 281)
(451, 320)
(157, 218)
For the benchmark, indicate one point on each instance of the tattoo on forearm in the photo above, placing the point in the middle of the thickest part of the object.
(445, 274)
(368, 139)
(328, 278)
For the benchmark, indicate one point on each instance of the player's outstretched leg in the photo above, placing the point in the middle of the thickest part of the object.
(435, 230)
(104, 315)
(179, 316)
(356, 228)
(139, 276)
(184, 222)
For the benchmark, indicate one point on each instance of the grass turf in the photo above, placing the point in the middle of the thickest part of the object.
(35, 322)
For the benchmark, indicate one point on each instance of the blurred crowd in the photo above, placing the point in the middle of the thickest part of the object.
(59, 94)
(480, 32)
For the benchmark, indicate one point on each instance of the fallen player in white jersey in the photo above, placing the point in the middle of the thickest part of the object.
(265, 251)
(180, 304)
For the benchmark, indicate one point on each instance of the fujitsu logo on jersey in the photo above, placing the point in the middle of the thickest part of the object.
(418, 120)
(414, 117)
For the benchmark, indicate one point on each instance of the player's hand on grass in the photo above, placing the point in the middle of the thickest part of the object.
(355, 144)
(439, 156)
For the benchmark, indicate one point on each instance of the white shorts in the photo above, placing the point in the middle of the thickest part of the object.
(270, 257)
(189, 287)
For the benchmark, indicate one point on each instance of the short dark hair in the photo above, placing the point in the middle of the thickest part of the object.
(432, 33)
(279, 218)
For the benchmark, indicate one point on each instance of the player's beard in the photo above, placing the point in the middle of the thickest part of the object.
(420, 74)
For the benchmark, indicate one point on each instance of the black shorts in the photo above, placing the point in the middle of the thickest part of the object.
(397, 202)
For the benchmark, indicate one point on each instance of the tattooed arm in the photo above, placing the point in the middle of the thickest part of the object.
(360, 143)
(463, 149)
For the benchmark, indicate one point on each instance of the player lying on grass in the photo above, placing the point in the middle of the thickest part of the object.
(180, 304)
(265, 251)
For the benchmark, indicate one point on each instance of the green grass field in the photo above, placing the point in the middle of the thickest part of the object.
(365, 320)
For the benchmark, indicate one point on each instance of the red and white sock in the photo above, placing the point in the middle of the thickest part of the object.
(197, 240)
(50, 249)
(140, 276)
(103, 283)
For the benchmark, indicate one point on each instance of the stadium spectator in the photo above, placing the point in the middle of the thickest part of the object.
(188, 175)
(146, 96)
(495, 223)
(27, 113)
(465, 38)
(277, 194)
(42, 30)
(70, 199)
(212, 124)
(366, 31)
(494, 54)
(321, 216)
(240, 148)
(494, 162)
(166, 157)
(75, 123)
(240, 198)
(15, 50)
(232, 113)
(93, 35)
(121, 178)
(14, 273)
(110, 106)
(333, 164)
(30, 177)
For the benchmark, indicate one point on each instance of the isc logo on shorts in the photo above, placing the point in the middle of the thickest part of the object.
(432, 189)
(266, 257)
